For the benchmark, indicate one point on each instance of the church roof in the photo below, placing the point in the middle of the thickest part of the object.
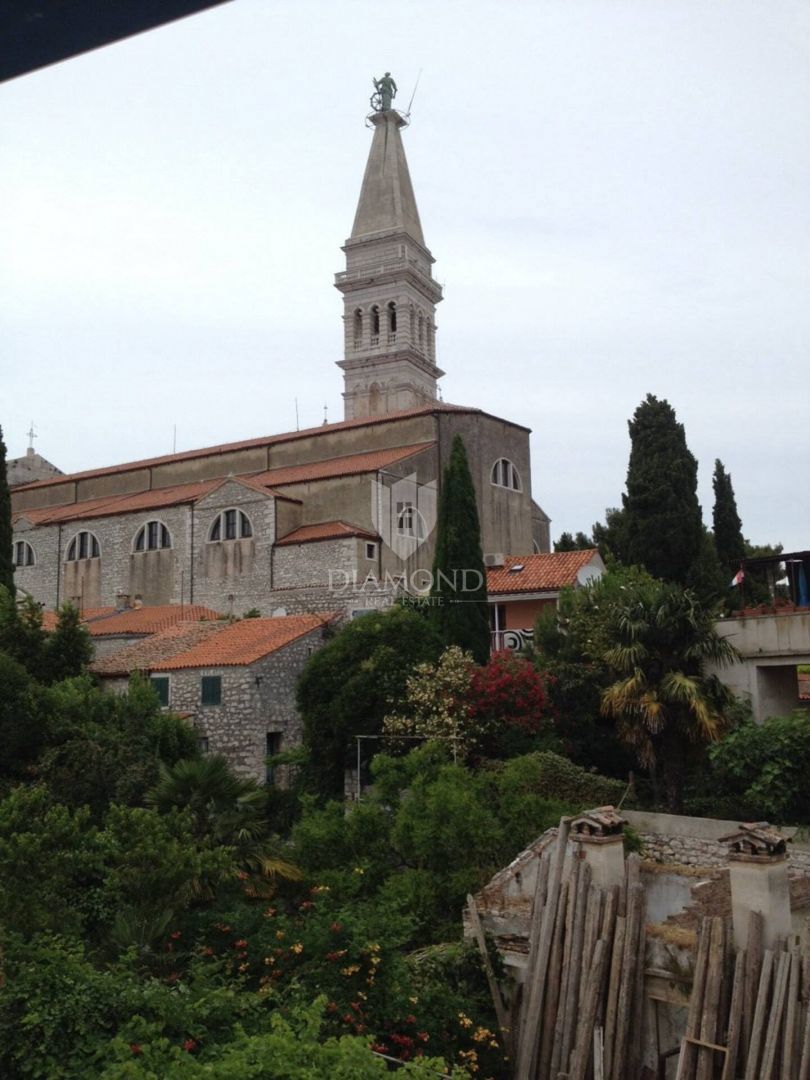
(387, 202)
(265, 440)
(110, 621)
(131, 503)
(547, 571)
(370, 461)
(325, 530)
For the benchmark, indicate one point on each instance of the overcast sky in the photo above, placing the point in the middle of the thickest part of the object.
(617, 195)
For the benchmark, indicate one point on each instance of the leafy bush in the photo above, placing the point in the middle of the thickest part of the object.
(558, 778)
(764, 768)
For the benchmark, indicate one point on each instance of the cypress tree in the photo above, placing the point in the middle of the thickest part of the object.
(662, 519)
(459, 606)
(728, 537)
(6, 535)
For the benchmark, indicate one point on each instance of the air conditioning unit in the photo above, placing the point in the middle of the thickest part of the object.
(493, 560)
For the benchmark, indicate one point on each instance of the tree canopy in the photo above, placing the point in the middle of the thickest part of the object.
(348, 687)
(728, 537)
(662, 522)
(459, 608)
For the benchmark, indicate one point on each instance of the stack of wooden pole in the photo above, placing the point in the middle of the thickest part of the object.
(582, 1003)
(749, 1011)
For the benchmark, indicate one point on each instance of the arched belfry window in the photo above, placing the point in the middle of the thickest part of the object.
(84, 545)
(504, 474)
(23, 554)
(152, 536)
(392, 317)
(375, 325)
(231, 525)
(358, 327)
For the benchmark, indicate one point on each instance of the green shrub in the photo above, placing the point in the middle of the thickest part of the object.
(560, 779)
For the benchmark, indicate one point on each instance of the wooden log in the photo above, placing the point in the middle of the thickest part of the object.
(754, 949)
(553, 989)
(636, 1038)
(593, 921)
(535, 926)
(760, 1013)
(497, 1000)
(805, 950)
(573, 887)
(804, 1063)
(583, 1047)
(790, 1055)
(735, 1009)
(686, 1061)
(624, 1014)
(606, 933)
(711, 999)
(599, 1042)
(614, 981)
(527, 1052)
(775, 1018)
(575, 962)
(632, 869)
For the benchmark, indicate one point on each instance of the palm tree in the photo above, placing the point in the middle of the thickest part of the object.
(228, 810)
(661, 639)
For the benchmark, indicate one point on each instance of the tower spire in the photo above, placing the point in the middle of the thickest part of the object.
(389, 293)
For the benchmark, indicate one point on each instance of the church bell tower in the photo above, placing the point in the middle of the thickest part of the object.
(389, 294)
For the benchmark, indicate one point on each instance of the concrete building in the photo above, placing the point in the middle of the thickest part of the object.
(336, 517)
(521, 587)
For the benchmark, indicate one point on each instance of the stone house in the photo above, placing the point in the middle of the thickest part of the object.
(112, 629)
(233, 681)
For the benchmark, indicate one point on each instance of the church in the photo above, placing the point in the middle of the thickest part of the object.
(338, 518)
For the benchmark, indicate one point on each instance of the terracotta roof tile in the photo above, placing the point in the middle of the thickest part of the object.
(325, 530)
(244, 642)
(267, 440)
(133, 502)
(349, 465)
(149, 620)
(548, 571)
(143, 655)
(49, 618)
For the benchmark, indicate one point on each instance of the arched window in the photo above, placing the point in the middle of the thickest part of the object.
(84, 545)
(421, 330)
(375, 325)
(410, 522)
(358, 327)
(231, 525)
(152, 536)
(24, 554)
(392, 317)
(504, 474)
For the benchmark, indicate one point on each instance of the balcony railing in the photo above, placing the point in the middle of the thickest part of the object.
(511, 640)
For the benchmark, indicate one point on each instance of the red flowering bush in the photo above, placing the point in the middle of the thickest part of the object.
(507, 699)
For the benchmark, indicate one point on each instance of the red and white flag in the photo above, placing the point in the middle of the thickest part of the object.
(738, 578)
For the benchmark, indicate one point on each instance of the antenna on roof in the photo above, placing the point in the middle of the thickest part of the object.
(297, 425)
(174, 440)
(325, 411)
(413, 95)
(31, 436)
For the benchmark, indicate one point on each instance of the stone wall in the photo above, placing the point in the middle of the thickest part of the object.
(690, 841)
(257, 700)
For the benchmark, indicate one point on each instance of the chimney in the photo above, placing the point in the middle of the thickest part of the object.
(137, 603)
(600, 834)
(758, 874)
(121, 601)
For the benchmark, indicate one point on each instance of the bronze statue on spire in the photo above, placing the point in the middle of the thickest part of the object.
(385, 90)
